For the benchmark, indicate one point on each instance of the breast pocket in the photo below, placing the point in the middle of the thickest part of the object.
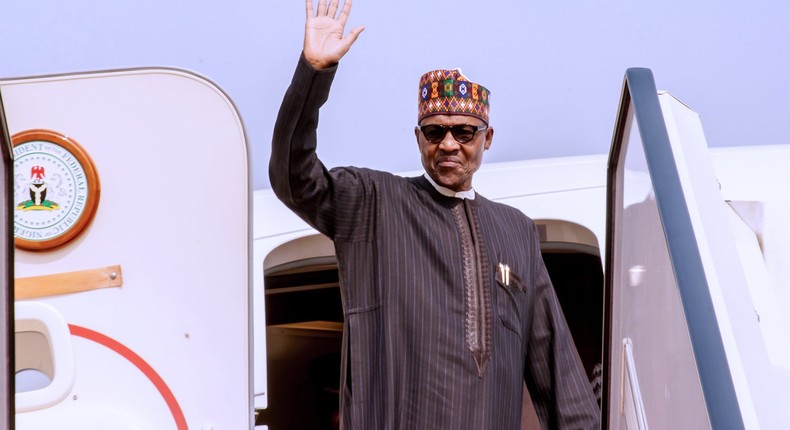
(512, 298)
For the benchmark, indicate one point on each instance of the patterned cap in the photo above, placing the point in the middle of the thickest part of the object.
(449, 92)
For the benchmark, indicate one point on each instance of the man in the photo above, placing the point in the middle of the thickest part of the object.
(448, 307)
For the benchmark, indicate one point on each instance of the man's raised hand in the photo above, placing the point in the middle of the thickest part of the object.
(324, 42)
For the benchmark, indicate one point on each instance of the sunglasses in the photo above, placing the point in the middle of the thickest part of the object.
(462, 133)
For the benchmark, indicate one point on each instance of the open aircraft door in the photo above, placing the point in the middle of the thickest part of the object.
(684, 344)
(6, 279)
(132, 296)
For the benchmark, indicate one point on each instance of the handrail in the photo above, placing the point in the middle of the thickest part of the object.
(633, 398)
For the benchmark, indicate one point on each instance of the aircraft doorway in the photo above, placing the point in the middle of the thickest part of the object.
(573, 260)
(304, 324)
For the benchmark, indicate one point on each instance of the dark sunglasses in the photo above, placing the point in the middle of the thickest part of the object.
(462, 133)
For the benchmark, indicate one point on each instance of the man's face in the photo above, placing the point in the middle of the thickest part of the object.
(449, 163)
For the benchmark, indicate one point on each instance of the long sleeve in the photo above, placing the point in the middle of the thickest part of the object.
(560, 390)
(327, 200)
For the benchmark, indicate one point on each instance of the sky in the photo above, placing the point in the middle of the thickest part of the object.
(554, 67)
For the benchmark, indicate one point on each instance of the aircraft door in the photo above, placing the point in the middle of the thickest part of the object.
(664, 354)
(6, 279)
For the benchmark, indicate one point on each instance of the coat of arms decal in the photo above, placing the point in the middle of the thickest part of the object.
(38, 193)
(56, 189)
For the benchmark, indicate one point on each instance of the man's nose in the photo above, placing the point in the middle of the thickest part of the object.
(449, 144)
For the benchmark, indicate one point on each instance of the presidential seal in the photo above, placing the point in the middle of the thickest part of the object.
(56, 189)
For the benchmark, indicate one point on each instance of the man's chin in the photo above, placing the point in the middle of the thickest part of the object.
(450, 183)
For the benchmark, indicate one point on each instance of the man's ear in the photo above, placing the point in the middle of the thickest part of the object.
(417, 135)
(489, 137)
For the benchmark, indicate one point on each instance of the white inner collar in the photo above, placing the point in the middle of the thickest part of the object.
(468, 194)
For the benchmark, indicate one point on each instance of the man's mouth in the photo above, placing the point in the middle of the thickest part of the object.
(448, 162)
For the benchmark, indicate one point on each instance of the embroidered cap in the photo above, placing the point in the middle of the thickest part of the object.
(449, 92)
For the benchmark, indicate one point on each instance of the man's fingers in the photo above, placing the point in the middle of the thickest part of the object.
(343, 17)
(353, 34)
(321, 8)
(324, 42)
(309, 9)
(332, 8)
